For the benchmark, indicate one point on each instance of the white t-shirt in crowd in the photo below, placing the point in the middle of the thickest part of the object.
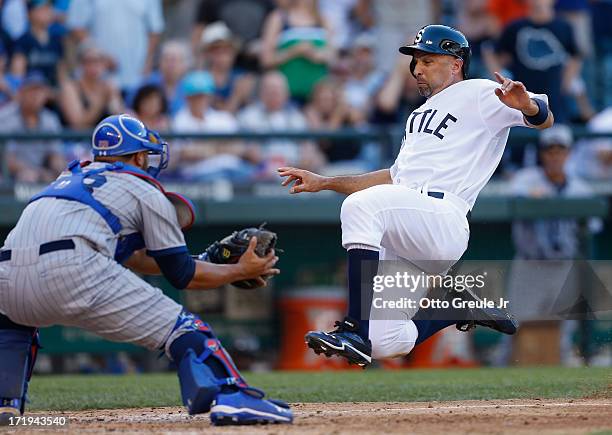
(213, 121)
(454, 141)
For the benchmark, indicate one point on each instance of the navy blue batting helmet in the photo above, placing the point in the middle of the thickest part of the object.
(440, 39)
(120, 135)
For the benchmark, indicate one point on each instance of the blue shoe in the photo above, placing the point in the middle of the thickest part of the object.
(9, 408)
(247, 406)
(494, 318)
(343, 341)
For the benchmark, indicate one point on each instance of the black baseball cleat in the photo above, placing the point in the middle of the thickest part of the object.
(494, 318)
(343, 341)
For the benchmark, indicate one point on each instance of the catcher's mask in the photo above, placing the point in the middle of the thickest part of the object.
(120, 135)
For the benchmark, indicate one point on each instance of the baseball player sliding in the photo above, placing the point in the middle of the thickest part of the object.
(417, 209)
(68, 262)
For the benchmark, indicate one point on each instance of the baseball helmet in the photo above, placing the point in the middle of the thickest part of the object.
(120, 135)
(440, 39)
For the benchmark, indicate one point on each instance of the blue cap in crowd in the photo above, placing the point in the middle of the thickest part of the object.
(31, 4)
(197, 83)
(34, 78)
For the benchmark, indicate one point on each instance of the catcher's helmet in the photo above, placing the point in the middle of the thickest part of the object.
(440, 39)
(120, 135)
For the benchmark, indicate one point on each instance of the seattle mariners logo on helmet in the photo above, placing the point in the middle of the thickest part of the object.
(440, 39)
(120, 135)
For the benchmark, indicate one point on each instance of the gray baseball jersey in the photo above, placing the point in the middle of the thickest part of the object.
(86, 287)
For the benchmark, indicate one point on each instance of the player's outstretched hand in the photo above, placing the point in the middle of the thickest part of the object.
(256, 267)
(305, 181)
(512, 94)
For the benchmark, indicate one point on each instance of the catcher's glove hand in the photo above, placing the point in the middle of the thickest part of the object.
(231, 248)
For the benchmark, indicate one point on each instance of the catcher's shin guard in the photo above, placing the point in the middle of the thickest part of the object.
(204, 367)
(18, 349)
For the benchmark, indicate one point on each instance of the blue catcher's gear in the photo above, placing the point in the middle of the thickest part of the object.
(18, 349)
(208, 376)
(247, 406)
(120, 135)
(78, 186)
(440, 39)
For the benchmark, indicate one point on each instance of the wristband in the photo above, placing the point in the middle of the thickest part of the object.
(542, 115)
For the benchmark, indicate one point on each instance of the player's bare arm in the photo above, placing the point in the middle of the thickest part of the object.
(306, 181)
(514, 94)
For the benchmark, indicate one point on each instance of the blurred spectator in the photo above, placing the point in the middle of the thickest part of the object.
(399, 95)
(151, 107)
(274, 112)
(347, 18)
(128, 30)
(14, 19)
(364, 79)
(215, 159)
(506, 11)
(27, 161)
(38, 49)
(577, 13)
(481, 29)
(547, 239)
(397, 22)
(602, 35)
(541, 52)
(592, 158)
(327, 110)
(233, 87)
(7, 82)
(244, 18)
(298, 42)
(174, 63)
(91, 97)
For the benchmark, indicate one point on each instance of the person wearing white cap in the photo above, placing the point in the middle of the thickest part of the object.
(233, 88)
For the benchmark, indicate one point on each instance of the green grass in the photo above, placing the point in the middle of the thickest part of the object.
(88, 392)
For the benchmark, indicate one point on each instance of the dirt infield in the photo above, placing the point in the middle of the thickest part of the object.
(550, 416)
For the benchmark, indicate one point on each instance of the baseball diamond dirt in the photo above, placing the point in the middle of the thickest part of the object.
(514, 416)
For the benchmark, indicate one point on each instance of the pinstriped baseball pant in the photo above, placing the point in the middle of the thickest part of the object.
(86, 289)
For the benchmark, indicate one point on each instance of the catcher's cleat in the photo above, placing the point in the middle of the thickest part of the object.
(494, 318)
(9, 408)
(343, 341)
(248, 406)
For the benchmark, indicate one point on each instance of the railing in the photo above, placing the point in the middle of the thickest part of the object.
(387, 138)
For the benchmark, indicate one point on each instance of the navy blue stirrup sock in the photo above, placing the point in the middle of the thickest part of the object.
(427, 328)
(362, 263)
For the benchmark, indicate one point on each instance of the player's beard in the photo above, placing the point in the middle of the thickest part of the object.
(424, 90)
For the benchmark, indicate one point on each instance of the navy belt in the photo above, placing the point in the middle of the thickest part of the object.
(440, 195)
(45, 248)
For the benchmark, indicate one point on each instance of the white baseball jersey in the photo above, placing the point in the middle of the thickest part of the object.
(454, 141)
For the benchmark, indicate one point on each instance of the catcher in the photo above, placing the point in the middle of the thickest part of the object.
(70, 261)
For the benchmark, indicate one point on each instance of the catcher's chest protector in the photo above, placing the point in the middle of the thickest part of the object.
(79, 185)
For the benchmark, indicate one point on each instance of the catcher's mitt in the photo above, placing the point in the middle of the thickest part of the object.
(230, 249)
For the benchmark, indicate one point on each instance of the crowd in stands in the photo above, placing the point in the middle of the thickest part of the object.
(279, 65)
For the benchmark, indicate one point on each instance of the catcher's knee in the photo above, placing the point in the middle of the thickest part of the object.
(18, 349)
(391, 339)
(204, 367)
